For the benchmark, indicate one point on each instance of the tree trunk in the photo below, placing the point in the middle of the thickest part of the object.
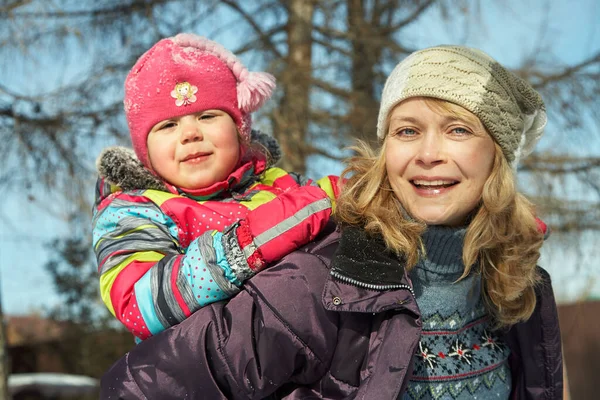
(4, 364)
(366, 53)
(291, 119)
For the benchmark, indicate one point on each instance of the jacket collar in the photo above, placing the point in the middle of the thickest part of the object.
(244, 174)
(366, 277)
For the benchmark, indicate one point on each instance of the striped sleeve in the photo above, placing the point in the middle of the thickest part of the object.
(147, 280)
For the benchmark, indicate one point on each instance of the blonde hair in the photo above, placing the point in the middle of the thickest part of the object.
(502, 238)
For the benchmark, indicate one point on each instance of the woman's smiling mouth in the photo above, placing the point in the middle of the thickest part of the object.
(432, 187)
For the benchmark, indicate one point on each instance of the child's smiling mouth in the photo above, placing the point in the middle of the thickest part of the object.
(196, 157)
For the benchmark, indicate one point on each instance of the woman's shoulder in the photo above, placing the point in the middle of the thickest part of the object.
(544, 275)
(325, 245)
(537, 343)
(545, 315)
(544, 286)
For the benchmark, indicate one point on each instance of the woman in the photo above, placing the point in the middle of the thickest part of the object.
(427, 289)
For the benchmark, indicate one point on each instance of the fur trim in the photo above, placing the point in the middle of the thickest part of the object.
(121, 167)
(269, 143)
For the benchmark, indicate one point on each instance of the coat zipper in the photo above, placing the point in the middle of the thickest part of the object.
(370, 286)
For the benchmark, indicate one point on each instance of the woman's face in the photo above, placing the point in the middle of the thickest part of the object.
(437, 164)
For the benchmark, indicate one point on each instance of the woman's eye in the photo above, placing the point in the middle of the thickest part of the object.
(407, 132)
(461, 131)
(404, 133)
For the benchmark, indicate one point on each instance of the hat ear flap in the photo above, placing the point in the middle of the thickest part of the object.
(254, 90)
(533, 129)
(534, 117)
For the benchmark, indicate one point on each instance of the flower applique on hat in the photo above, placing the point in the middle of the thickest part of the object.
(184, 94)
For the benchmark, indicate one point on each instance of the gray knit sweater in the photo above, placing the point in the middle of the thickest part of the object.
(459, 357)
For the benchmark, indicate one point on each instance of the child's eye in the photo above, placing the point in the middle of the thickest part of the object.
(167, 125)
(206, 116)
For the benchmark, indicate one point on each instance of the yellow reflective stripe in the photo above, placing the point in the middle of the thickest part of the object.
(259, 199)
(264, 196)
(327, 186)
(108, 278)
(159, 197)
(270, 176)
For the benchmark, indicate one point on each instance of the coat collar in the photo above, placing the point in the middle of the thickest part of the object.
(366, 277)
(366, 259)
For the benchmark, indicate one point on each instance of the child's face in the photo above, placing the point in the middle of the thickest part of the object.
(196, 150)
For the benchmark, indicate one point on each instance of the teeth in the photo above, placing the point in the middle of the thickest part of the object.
(432, 183)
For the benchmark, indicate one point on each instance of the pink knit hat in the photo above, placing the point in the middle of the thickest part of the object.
(187, 74)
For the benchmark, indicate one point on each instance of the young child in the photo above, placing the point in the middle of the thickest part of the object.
(196, 210)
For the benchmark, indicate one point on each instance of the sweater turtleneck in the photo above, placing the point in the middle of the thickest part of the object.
(443, 250)
(435, 277)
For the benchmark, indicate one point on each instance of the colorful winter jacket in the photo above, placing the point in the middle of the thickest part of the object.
(162, 253)
(334, 320)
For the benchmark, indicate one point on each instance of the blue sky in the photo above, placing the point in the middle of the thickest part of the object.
(572, 34)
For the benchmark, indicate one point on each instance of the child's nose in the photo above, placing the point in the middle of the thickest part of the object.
(190, 132)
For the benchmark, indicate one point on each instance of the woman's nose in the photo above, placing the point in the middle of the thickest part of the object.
(430, 151)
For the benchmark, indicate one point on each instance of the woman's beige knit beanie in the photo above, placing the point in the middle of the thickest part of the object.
(511, 110)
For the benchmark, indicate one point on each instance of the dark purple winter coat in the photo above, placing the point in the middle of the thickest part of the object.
(318, 326)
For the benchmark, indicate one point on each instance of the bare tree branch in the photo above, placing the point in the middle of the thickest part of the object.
(118, 10)
(329, 88)
(329, 45)
(256, 44)
(251, 20)
(541, 80)
(412, 17)
(559, 164)
(14, 5)
(310, 149)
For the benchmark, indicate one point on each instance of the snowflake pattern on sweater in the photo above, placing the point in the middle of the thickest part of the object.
(459, 357)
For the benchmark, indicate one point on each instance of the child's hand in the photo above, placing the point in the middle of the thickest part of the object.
(286, 223)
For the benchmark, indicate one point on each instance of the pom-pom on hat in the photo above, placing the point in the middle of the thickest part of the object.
(187, 74)
(510, 109)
